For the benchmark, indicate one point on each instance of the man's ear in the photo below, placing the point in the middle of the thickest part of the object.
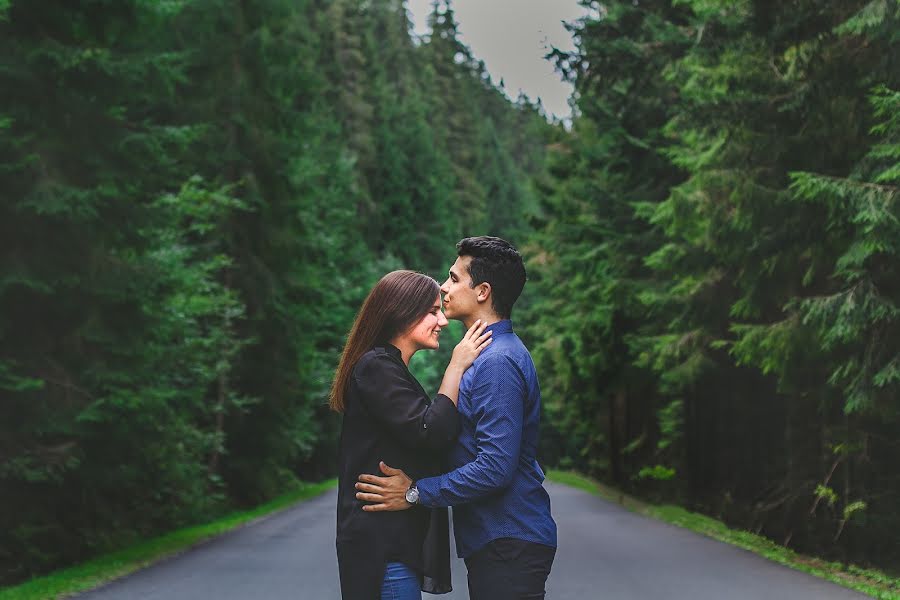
(484, 292)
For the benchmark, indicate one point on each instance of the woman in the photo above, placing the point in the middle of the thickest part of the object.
(389, 417)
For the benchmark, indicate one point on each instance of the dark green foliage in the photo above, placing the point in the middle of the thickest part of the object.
(587, 259)
(718, 264)
(857, 324)
(94, 437)
(196, 196)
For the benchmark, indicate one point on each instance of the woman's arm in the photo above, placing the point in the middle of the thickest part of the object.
(394, 399)
(388, 393)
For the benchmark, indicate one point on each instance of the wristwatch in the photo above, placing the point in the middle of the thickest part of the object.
(412, 494)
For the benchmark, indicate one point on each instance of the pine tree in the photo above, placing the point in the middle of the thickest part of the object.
(716, 252)
(273, 138)
(88, 425)
(591, 277)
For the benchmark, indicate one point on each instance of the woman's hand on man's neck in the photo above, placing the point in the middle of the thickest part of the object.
(488, 316)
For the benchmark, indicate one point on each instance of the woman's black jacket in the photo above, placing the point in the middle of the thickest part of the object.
(389, 417)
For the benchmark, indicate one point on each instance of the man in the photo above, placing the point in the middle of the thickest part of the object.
(501, 512)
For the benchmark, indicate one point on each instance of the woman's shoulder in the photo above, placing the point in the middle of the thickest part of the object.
(376, 359)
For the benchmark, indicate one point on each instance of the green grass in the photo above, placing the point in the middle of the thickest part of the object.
(867, 581)
(112, 566)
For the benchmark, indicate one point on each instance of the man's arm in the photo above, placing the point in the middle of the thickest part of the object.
(498, 393)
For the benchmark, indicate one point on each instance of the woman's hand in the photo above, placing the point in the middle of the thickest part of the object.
(473, 342)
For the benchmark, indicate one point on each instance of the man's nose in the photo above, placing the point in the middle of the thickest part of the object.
(445, 287)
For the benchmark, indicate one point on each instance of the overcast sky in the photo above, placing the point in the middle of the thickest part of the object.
(512, 37)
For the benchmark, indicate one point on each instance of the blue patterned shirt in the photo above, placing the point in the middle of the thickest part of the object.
(495, 485)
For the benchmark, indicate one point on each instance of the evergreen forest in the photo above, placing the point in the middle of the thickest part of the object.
(196, 195)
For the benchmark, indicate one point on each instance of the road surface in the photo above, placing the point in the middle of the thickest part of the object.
(605, 552)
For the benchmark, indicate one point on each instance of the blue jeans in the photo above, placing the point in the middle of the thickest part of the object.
(400, 583)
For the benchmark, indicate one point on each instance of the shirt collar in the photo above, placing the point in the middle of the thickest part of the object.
(393, 350)
(504, 326)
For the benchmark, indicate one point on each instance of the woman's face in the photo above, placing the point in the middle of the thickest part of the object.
(424, 334)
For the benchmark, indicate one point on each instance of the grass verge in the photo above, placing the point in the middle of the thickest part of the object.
(112, 566)
(868, 581)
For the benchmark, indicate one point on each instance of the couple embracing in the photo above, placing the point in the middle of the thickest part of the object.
(406, 456)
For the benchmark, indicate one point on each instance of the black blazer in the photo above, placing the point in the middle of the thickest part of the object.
(388, 416)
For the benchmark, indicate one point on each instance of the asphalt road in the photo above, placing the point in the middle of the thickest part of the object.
(605, 552)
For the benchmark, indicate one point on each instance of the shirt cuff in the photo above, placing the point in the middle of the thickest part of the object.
(429, 491)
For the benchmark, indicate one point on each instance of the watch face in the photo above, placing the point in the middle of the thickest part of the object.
(412, 495)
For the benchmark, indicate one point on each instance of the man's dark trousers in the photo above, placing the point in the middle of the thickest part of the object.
(509, 569)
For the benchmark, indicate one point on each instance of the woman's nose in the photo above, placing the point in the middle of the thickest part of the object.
(442, 320)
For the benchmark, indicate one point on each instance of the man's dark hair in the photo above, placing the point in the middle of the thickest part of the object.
(498, 263)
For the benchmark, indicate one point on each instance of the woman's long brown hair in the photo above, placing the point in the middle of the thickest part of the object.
(396, 303)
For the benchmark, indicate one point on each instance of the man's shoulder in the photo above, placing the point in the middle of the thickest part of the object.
(495, 354)
(506, 348)
(499, 363)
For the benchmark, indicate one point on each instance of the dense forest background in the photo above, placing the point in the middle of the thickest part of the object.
(197, 194)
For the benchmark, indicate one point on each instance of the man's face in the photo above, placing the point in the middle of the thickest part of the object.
(460, 300)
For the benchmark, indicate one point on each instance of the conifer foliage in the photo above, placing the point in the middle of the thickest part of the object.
(717, 264)
(196, 195)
